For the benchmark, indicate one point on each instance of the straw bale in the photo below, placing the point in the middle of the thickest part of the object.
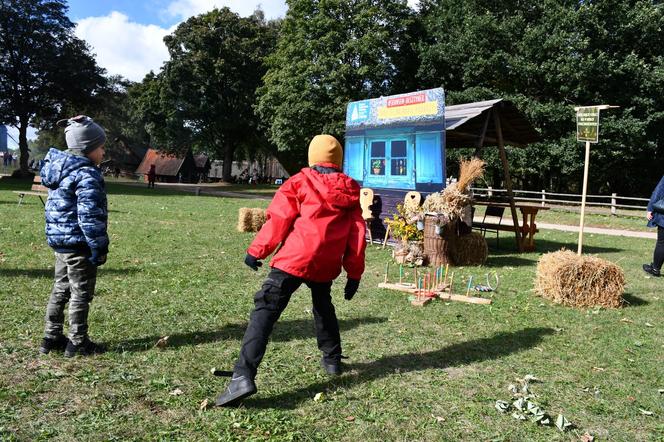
(469, 171)
(244, 220)
(258, 218)
(579, 281)
(470, 250)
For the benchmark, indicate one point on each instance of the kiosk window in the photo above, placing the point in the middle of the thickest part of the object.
(399, 158)
(378, 158)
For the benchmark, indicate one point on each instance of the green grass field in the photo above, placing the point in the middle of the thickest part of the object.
(175, 269)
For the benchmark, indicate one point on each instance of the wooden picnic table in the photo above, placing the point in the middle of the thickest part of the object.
(528, 228)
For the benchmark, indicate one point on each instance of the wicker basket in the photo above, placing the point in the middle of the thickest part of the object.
(438, 247)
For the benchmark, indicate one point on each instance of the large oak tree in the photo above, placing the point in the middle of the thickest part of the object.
(43, 66)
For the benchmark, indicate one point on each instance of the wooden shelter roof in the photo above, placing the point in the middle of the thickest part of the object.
(465, 124)
(166, 165)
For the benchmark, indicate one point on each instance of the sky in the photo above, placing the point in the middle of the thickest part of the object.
(126, 36)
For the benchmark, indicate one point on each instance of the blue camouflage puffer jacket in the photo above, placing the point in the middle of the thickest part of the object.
(76, 209)
(658, 194)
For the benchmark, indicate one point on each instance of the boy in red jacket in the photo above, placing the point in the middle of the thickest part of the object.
(316, 218)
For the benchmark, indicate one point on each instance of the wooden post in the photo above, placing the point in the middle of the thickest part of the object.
(543, 197)
(583, 198)
(480, 141)
(614, 202)
(508, 180)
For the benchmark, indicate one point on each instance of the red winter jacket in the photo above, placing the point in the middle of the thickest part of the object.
(318, 222)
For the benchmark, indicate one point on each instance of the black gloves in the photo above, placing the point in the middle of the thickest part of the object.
(252, 262)
(351, 288)
(97, 257)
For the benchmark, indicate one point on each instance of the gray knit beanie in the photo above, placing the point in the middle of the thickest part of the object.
(82, 134)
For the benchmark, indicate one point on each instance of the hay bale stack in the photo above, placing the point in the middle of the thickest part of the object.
(244, 220)
(258, 218)
(470, 250)
(579, 281)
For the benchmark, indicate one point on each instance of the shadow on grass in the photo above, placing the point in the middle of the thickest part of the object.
(463, 353)
(283, 331)
(506, 254)
(634, 301)
(48, 273)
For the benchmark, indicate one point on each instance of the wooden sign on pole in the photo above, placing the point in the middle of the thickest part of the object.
(587, 130)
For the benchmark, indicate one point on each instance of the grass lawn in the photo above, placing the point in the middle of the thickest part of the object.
(175, 269)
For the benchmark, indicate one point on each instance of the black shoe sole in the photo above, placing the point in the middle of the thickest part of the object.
(231, 400)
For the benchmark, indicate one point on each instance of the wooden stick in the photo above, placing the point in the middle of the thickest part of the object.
(451, 282)
(400, 273)
(387, 270)
(447, 267)
(470, 282)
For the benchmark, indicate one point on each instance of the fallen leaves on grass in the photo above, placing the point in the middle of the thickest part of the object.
(587, 438)
(176, 392)
(562, 423)
(350, 418)
(204, 405)
(646, 412)
(319, 397)
(523, 407)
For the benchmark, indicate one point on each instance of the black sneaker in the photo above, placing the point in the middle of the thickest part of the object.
(57, 344)
(650, 269)
(86, 348)
(239, 388)
(332, 368)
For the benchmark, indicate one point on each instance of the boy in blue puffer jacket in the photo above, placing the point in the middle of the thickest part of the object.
(76, 218)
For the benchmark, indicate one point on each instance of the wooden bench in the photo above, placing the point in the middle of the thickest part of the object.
(36, 190)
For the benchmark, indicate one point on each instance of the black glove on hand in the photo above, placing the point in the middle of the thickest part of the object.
(252, 262)
(97, 257)
(351, 288)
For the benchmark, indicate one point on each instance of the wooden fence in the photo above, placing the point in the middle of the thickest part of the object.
(611, 202)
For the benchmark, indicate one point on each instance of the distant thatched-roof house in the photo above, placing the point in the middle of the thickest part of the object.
(170, 168)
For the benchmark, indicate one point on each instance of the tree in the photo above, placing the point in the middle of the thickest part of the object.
(331, 52)
(548, 57)
(111, 108)
(43, 66)
(205, 95)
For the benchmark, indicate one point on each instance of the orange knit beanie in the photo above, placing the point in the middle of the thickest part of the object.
(325, 149)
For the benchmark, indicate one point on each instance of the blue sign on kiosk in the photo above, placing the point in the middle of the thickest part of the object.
(397, 142)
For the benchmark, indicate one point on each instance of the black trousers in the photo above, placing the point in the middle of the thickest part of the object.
(658, 256)
(270, 301)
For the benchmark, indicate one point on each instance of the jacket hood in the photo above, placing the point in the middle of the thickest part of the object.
(337, 189)
(58, 165)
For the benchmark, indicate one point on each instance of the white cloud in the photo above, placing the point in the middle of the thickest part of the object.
(184, 9)
(124, 47)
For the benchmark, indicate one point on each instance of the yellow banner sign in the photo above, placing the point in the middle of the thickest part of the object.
(415, 110)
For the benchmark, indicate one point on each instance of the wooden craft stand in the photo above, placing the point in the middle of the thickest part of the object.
(425, 296)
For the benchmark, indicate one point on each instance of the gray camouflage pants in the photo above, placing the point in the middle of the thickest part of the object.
(75, 279)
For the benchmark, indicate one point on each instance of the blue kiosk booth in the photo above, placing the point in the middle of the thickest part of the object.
(397, 143)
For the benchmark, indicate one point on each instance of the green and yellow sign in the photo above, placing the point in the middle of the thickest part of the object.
(587, 124)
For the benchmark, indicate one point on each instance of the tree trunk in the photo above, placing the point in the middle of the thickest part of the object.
(227, 169)
(23, 144)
